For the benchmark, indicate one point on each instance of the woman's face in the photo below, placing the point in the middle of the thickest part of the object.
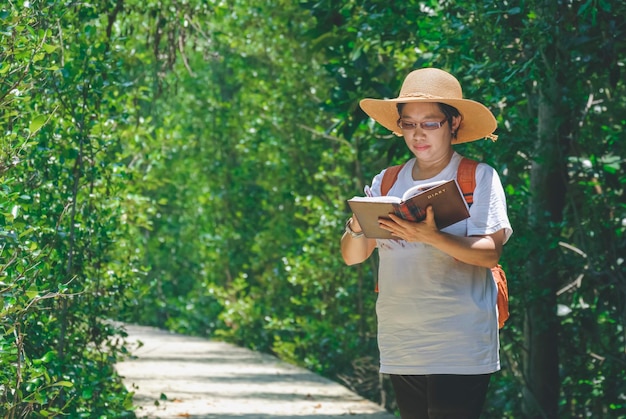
(426, 131)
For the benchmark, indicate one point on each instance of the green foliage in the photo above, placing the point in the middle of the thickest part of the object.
(64, 270)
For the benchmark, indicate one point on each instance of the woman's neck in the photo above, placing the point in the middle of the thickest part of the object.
(427, 169)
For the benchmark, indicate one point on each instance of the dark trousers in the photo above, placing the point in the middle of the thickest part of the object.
(440, 396)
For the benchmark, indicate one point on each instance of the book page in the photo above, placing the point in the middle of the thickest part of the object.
(387, 199)
(418, 189)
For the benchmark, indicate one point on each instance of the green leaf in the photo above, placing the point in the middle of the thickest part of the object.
(32, 293)
(612, 168)
(37, 123)
(49, 48)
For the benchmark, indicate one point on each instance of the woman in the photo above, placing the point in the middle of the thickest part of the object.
(436, 307)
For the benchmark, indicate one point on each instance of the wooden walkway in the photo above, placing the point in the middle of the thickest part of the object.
(176, 376)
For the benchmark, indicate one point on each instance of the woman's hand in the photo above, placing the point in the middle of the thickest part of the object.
(354, 224)
(410, 231)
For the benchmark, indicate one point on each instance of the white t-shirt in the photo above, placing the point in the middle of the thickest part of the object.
(437, 315)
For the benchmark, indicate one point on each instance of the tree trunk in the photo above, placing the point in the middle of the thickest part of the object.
(541, 326)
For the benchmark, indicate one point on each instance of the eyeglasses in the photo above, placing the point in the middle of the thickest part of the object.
(426, 125)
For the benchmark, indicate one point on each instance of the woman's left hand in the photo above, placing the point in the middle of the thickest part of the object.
(411, 231)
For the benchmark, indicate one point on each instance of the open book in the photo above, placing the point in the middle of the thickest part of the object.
(445, 197)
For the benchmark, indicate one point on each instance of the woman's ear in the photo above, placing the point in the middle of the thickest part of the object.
(456, 123)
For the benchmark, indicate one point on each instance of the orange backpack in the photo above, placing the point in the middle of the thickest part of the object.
(466, 178)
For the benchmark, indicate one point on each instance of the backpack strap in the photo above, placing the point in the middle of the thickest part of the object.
(466, 178)
(389, 178)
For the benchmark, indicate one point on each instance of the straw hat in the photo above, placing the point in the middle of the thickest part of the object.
(434, 85)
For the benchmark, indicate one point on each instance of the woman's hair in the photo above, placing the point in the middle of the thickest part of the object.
(448, 111)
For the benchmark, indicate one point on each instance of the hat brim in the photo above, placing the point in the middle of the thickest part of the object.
(477, 121)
